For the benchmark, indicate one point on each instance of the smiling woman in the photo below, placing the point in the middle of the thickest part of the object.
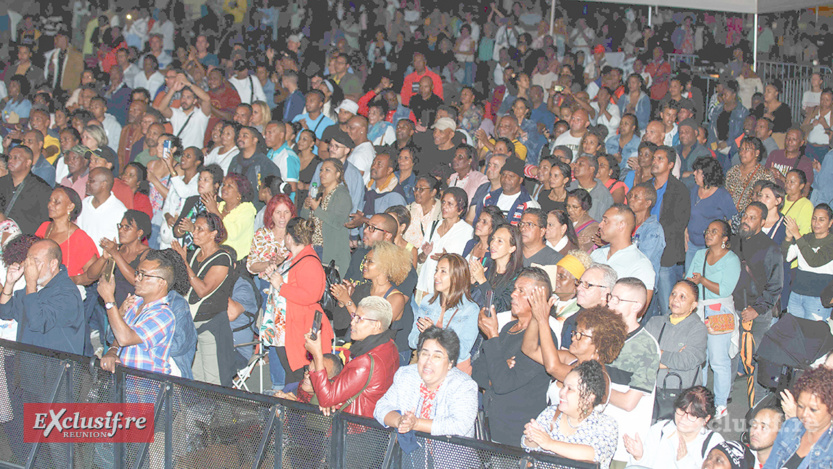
(431, 396)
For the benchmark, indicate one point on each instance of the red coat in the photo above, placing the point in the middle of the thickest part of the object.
(302, 289)
(353, 377)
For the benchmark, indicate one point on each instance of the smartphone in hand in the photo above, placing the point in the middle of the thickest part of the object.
(316, 325)
(490, 297)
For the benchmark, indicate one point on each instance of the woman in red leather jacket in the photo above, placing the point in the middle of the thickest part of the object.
(359, 385)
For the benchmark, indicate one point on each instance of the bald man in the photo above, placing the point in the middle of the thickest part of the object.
(655, 133)
(424, 105)
(48, 311)
(363, 153)
(616, 227)
(101, 210)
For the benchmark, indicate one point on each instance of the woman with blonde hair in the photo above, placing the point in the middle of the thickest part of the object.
(261, 115)
(386, 266)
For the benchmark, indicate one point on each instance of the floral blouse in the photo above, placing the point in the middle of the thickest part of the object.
(266, 247)
(599, 431)
(156, 199)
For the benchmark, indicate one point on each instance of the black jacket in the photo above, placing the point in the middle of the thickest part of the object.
(673, 216)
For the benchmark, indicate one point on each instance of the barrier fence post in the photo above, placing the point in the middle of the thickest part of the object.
(118, 448)
(337, 442)
(279, 437)
(264, 438)
(33, 451)
(70, 398)
(169, 424)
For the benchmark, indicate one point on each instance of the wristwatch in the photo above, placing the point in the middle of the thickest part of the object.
(109, 305)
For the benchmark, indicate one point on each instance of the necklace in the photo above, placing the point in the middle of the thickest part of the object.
(516, 332)
(574, 427)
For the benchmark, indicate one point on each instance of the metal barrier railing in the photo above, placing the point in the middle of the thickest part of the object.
(198, 425)
(675, 59)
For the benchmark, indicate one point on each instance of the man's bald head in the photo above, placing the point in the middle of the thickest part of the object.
(107, 176)
(655, 133)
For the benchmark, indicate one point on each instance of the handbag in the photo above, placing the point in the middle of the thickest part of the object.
(666, 397)
(720, 323)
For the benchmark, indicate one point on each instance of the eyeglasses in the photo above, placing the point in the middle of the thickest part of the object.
(584, 284)
(374, 229)
(358, 318)
(141, 275)
(576, 335)
(122, 227)
(420, 189)
(688, 415)
(529, 224)
(615, 300)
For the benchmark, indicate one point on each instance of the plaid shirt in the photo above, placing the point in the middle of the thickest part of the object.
(155, 326)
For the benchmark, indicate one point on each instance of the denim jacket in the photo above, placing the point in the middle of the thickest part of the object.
(819, 457)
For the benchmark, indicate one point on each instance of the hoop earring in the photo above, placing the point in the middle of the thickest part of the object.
(723, 245)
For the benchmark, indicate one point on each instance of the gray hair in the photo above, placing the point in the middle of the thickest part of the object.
(609, 276)
(379, 309)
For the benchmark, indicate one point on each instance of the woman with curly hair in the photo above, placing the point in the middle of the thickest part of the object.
(599, 335)
(709, 201)
(574, 428)
(236, 211)
(385, 266)
(804, 441)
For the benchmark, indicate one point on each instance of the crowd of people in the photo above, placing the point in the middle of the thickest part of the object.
(419, 212)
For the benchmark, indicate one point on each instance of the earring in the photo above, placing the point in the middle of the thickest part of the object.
(723, 245)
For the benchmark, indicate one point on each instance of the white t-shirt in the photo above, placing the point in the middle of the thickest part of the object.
(221, 159)
(810, 99)
(101, 222)
(362, 157)
(506, 202)
(189, 127)
(248, 89)
(571, 142)
(628, 262)
(817, 136)
(611, 124)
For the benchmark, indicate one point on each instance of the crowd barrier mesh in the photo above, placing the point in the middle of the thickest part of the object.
(201, 426)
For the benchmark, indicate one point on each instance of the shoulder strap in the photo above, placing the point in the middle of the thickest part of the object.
(195, 307)
(186, 123)
(706, 443)
(15, 195)
(369, 377)
(659, 339)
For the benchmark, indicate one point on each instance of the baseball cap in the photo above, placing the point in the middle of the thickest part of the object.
(444, 123)
(348, 105)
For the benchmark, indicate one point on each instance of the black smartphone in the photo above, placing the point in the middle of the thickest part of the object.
(316, 325)
(490, 297)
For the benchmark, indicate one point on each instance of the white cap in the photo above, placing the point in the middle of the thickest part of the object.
(348, 105)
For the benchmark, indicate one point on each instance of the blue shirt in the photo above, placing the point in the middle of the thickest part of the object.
(184, 340)
(22, 109)
(660, 195)
(45, 171)
(461, 319)
(317, 126)
(788, 440)
(542, 115)
(630, 149)
(719, 206)
(294, 106)
(650, 239)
